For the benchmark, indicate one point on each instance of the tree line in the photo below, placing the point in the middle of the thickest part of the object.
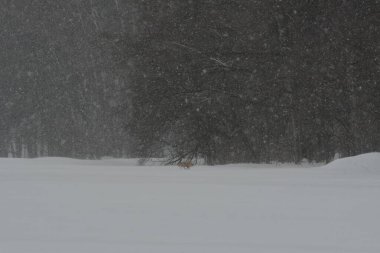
(218, 80)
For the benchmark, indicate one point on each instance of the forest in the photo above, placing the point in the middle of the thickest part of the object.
(220, 81)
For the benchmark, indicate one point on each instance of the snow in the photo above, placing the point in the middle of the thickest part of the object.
(66, 205)
(367, 163)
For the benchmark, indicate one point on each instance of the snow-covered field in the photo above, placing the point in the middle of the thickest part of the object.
(55, 205)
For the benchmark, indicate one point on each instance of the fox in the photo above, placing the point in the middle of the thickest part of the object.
(185, 165)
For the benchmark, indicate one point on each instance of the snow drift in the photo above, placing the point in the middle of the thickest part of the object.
(366, 163)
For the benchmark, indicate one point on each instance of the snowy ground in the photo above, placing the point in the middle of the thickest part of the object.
(56, 205)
